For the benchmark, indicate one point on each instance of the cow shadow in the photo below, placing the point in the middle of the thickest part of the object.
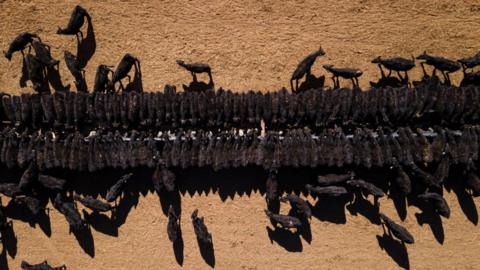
(172, 198)
(471, 78)
(387, 82)
(81, 84)
(136, 85)
(207, 252)
(196, 86)
(465, 199)
(21, 212)
(3, 260)
(431, 217)
(311, 82)
(395, 249)
(178, 247)
(331, 209)
(85, 240)
(24, 76)
(365, 208)
(305, 230)
(273, 205)
(285, 238)
(400, 203)
(9, 240)
(86, 47)
(55, 80)
(127, 202)
(101, 223)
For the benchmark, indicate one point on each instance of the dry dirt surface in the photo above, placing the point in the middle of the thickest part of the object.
(250, 45)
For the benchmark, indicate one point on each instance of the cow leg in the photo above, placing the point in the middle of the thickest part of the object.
(79, 36)
(447, 76)
(445, 79)
(400, 76)
(121, 85)
(383, 227)
(210, 77)
(381, 70)
(423, 69)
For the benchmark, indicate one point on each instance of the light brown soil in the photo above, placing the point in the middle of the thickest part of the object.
(250, 45)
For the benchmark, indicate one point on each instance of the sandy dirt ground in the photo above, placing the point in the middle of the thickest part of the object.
(250, 45)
